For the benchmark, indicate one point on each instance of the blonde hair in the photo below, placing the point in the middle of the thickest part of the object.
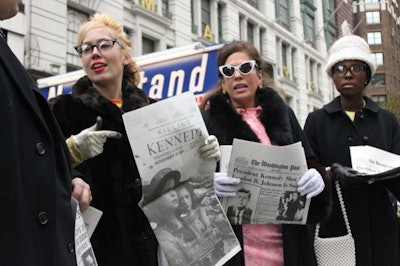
(131, 71)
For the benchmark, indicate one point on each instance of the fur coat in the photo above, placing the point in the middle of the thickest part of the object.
(282, 128)
(123, 235)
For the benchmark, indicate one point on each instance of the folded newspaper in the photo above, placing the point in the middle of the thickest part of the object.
(269, 177)
(371, 160)
(178, 196)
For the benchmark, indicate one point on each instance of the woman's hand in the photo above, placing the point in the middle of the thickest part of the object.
(311, 184)
(210, 149)
(81, 192)
(225, 186)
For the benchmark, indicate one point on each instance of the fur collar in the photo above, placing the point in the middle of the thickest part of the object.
(132, 97)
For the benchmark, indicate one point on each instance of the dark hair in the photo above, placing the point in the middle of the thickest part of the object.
(193, 197)
(239, 46)
(245, 191)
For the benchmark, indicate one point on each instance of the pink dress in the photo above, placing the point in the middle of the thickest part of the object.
(263, 244)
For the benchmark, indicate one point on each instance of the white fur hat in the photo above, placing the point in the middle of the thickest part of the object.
(349, 47)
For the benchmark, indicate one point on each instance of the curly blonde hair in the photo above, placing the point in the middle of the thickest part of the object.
(131, 71)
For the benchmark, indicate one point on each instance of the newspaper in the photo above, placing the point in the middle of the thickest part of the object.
(370, 160)
(178, 196)
(269, 177)
(91, 217)
(84, 251)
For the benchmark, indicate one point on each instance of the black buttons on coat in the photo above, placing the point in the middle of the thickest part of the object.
(71, 248)
(144, 236)
(42, 218)
(40, 148)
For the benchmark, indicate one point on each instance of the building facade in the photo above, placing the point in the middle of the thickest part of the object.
(293, 36)
(378, 22)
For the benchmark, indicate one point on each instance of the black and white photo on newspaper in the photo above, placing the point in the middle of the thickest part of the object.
(268, 187)
(178, 197)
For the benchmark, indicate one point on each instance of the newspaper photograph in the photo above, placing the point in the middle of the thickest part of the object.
(269, 177)
(83, 248)
(178, 197)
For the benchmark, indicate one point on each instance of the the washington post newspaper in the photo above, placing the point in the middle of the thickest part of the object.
(269, 177)
(178, 196)
(371, 160)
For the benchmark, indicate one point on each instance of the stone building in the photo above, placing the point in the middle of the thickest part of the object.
(293, 36)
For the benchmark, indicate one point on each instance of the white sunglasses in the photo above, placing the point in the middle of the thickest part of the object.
(244, 68)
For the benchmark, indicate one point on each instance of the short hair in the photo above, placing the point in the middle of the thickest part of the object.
(243, 190)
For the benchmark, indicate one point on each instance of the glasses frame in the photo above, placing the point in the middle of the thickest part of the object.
(237, 68)
(78, 48)
(350, 68)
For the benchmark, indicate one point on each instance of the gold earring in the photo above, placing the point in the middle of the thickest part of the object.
(223, 90)
(260, 85)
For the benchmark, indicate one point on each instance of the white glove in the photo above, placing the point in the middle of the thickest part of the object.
(210, 149)
(311, 184)
(225, 186)
(90, 141)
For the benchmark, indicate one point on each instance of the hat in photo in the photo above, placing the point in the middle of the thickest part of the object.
(157, 184)
(349, 47)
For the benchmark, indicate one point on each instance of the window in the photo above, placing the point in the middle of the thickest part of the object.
(148, 46)
(330, 6)
(253, 3)
(74, 20)
(309, 28)
(165, 9)
(262, 35)
(380, 99)
(205, 14)
(329, 22)
(21, 8)
(378, 80)
(374, 37)
(373, 17)
(312, 85)
(194, 16)
(308, 10)
(250, 32)
(378, 57)
(285, 67)
(219, 18)
(283, 12)
(330, 38)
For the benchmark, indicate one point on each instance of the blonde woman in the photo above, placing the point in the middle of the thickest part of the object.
(98, 100)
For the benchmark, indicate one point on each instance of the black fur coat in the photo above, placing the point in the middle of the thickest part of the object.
(282, 128)
(123, 235)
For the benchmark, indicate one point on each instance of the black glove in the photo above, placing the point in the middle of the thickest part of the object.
(347, 176)
(389, 174)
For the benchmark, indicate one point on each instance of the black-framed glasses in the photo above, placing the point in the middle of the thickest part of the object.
(355, 70)
(244, 68)
(102, 46)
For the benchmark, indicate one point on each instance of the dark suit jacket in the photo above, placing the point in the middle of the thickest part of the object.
(245, 216)
(37, 225)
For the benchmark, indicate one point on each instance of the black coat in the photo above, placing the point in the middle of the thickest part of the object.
(37, 225)
(372, 219)
(282, 128)
(123, 235)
